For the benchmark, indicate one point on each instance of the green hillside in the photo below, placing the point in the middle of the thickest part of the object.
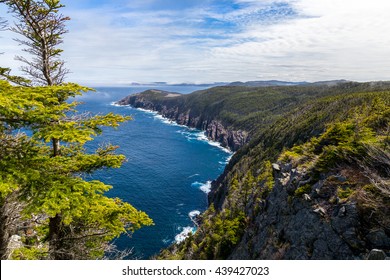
(313, 177)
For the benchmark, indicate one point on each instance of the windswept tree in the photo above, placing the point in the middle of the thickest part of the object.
(65, 216)
(41, 27)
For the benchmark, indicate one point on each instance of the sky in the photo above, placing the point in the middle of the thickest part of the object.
(204, 41)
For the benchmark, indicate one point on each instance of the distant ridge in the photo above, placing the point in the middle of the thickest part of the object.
(179, 84)
(284, 83)
(267, 83)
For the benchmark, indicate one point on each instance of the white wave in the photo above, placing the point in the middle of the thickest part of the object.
(193, 175)
(146, 111)
(201, 136)
(197, 184)
(166, 241)
(116, 104)
(194, 213)
(164, 120)
(218, 145)
(206, 188)
(186, 231)
(190, 133)
(184, 234)
(167, 121)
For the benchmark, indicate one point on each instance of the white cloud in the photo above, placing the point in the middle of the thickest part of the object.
(323, 39)
(337, 39)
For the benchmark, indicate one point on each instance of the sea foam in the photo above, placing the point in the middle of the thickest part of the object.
(194, 213)
(186, 231)
(191, 134)
(184, 234)
(116, 104)
(205, 187)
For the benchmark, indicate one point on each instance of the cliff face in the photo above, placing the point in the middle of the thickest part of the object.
(326, 195)
(315, 223)
(169, 107)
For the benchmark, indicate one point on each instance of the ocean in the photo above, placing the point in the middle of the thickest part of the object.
(168, 170)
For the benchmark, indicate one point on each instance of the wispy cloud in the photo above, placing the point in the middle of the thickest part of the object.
(227, 40)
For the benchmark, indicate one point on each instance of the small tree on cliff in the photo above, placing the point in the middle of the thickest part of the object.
(71, 215)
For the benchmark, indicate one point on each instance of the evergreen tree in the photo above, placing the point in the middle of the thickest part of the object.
(67, 216)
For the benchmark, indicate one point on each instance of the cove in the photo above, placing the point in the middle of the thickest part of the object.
(167, 173)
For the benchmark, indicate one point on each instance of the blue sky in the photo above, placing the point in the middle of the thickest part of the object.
(123, 41)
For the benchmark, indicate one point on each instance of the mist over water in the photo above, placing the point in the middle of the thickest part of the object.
(168, 170)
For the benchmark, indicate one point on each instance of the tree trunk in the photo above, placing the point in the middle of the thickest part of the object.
(56, 147)
(56, 237)
(4, 231)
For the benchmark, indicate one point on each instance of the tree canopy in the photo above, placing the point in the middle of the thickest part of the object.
(60, 214)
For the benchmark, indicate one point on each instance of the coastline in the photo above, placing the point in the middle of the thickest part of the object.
(185, 231)
(168, 121)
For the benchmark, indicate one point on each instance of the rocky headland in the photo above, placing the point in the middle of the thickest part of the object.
(166, 106)
(310, 178)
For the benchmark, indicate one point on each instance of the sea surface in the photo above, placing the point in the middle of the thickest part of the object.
(167, 173)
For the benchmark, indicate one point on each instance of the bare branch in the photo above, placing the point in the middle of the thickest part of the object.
(42, 27)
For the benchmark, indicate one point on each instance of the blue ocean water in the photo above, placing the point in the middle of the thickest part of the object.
(167, 173)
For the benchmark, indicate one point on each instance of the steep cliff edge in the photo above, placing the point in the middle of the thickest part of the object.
(172, 106)
(312, 182)
(312, 185)
(233, 115)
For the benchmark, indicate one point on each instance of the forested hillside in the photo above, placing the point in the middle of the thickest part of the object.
(311, 181)
(232, 115)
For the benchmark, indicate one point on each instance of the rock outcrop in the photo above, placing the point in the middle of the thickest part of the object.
(313, 225)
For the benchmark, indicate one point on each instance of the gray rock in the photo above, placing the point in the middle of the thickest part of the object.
(342, 211)
(378, 238)
(376, 254)
(15, 242)
(287, 167)
(276, 166)
(320, 210)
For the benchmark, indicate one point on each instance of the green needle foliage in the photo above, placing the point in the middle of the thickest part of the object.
(54, 187)
(45, 196)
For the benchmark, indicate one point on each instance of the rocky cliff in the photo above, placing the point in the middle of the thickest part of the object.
(307, 219)
(310, 178)
(170, 106)
(312, 185)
